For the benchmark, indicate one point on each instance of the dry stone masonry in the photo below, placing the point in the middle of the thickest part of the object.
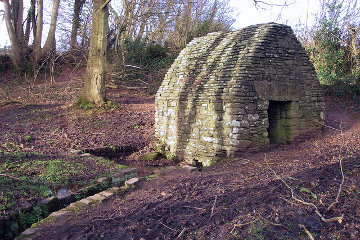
(231, 92)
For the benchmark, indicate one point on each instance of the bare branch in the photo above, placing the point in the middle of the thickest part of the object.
(212, 209)
(298, 199)
(103, 6)
(181, 233)
(307, 231)
(285, 4)
(341, 169)
(168, 227)
(243, 224)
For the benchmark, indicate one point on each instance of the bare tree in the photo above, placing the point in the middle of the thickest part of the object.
(85, 26)
(78, 5)
(165, 22)
(19, 39)
(94, 78)
(263, 4)
(13, 13)
(38, 51)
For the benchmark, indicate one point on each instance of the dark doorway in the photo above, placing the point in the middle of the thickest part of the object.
(280, 124)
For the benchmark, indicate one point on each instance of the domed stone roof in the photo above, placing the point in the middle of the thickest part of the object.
(230, 92)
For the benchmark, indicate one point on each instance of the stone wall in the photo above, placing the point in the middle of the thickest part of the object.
(214, 100)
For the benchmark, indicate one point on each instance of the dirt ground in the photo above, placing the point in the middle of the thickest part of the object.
(40, 131)
(45, 113)
(239, 199)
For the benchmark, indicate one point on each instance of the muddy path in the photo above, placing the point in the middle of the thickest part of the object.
(242, 198)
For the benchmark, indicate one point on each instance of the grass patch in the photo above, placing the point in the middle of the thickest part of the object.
(110, 105)
(109, 163)
(83, 103)
(152, 177)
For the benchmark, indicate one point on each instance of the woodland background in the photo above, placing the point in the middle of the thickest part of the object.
(144, 37)
(43, 134)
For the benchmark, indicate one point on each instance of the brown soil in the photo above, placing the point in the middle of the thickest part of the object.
(238, 199)
(46, 114)
(38, 123)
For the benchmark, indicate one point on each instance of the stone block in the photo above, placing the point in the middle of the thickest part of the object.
(96, 197)
(58, 213)
(107, 193)
(75, 151)
(132, 182)
(104, 180)
(30, 231)
(85, 155)
(189, 168)
(85, 201)
(121, 176)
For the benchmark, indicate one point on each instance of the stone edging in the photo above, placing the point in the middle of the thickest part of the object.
(35, 229)
(115, 180)
(57, 202)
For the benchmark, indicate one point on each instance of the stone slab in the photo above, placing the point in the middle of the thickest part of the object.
(132, 182)
(189, 168)
(106, 193)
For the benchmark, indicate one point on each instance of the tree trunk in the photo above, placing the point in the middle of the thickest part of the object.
(38, 36)
(16, 45)
(29, 20)
(50, 44)
(163, 17)
(50, 41)
(145, 11)
(123, 28)
(18, 12)
(33, 17)
(76, 23)
(354, 31)
(94, 77)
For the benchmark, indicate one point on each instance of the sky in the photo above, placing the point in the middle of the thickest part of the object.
(297, 11)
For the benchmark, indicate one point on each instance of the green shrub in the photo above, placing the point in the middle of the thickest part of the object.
(150, 56)
(332, 54)
(326, 54)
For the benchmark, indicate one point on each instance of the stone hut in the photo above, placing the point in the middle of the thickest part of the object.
(230, 92)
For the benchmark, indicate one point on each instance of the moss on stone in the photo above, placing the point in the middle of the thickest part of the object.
(160, 148)
(77, 206)
(171, 157)
(49, 219)
(151, 156)
(208, 162)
